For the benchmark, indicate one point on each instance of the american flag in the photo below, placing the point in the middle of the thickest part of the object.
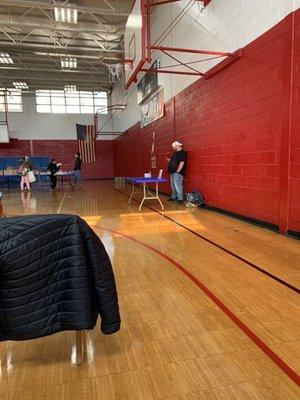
(86, 137)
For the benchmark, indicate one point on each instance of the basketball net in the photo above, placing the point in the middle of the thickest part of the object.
(115, 71)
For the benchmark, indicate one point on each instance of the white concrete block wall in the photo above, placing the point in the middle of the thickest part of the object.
(123, 120)
(226, 25)
(39, 126)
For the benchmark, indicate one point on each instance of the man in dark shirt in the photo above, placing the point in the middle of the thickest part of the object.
(77, 168)
(53, 167)
(176, 169)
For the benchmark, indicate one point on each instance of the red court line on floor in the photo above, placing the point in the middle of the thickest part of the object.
(251, 335)
(249, 263)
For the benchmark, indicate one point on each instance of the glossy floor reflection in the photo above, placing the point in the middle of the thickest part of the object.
(175, 343)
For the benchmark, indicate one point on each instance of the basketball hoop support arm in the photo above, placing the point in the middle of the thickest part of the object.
(192, 51)
(160, 3)
(147, 48)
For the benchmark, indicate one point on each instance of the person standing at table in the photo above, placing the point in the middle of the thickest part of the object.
(24, 168)
(53, 167)
(176, 169)
(77, 168)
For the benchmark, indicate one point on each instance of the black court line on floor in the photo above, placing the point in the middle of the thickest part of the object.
(249, 263)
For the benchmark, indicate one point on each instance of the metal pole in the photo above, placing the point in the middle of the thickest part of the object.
(143, 30)
(149, 31)
(159, 3)
(184, 50)
(182, 63)
(159, 71)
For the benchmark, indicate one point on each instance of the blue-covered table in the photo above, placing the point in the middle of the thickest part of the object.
(148, 195)
(6, 179)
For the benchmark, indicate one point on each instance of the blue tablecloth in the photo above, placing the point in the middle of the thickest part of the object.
(145, 180)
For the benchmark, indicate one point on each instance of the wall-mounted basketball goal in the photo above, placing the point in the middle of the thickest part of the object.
(139, 48)
(103, 117)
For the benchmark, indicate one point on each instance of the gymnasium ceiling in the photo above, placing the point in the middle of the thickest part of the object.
(35, 41)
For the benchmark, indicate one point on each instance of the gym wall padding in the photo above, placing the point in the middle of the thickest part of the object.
(37, 162)
(64, 151)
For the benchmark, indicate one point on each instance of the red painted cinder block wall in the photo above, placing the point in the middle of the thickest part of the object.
(15, 147)
(294, 182)
(235, 127)
(64, 151)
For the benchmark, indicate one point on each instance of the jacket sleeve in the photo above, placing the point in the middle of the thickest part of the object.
(104, 282)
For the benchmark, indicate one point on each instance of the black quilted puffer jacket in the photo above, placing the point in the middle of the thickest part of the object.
(55, 275)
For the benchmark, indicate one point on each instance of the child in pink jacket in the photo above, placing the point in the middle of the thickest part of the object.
(24, 168)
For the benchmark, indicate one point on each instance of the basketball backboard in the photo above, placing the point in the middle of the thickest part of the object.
(134, 42)
(4, 133)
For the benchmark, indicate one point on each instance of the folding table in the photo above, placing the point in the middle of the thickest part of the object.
(147, 194)
(65, 176)
(42, 178)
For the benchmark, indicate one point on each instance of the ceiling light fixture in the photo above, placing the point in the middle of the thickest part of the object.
(68, 62)
(5, 58)
(68, 15)
(20, 85)
(70, 88)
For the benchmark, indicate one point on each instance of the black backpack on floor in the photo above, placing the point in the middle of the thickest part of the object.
(195, 199)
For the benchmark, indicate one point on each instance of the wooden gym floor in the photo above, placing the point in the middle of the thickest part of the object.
(209, 308)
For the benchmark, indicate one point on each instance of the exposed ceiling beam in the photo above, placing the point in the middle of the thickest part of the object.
(35, 41)
(65, 50)
(53, 56)
(31, 62)
(32, 68)
(109, 5)
(49, 84)
(50, 6)
(87, 88)
(25, 74)
(44, 25)
(41, 39)
(34, 85)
